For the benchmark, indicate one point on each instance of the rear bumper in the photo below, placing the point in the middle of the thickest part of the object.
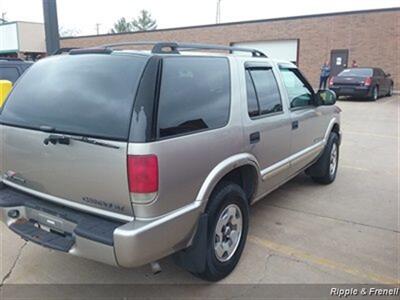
(129, 244)
(352, 91)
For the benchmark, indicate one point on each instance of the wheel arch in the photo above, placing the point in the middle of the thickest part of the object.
(242, 169)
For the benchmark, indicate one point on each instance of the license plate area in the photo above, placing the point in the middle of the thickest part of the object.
(347, 90)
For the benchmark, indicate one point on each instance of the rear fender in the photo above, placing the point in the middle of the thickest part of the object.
(221, 170)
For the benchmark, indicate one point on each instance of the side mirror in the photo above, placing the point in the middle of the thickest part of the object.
(5, 88)
(326, 97)
(388, 74)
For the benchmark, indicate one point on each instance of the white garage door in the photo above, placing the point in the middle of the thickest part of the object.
(281, 49)
(8, 37)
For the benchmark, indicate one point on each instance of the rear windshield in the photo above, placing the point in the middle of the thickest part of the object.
(89, 95)
(356, 72)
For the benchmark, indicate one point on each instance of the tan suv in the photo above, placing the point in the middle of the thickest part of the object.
(125, 157)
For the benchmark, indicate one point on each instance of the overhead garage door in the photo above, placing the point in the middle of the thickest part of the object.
(279, 49)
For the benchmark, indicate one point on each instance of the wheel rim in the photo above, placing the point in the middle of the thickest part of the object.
(228, 232)
(333, 160)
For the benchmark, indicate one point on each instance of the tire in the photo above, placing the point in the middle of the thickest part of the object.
(325, 169)
(228, 200)
(375, 93)
(390, 93)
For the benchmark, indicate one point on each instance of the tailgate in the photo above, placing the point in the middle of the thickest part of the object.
(87, 174)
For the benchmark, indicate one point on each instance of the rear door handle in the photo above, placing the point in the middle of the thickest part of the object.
(254, 137)
(295, 125)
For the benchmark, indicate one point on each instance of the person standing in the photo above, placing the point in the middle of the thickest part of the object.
(354, 64)
(325, 72)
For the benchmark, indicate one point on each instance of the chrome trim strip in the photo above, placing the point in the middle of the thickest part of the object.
(67, 203)
(285, 163)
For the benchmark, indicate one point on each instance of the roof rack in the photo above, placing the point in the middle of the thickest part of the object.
(174, 47)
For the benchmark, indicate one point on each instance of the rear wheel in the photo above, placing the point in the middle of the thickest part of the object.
(375, 93)
(228, 223)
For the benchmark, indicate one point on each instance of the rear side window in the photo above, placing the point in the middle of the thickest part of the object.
(10, 74)
(194, 95)
(252, 102)
(89, 95)
(263, 96)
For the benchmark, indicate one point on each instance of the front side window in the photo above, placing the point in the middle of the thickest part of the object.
(194, 95)
(300, 94)
(263, 96)
(10, 74)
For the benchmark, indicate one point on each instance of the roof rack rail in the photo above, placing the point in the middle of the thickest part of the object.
(174, 47)
(93, 50)
(64, 50)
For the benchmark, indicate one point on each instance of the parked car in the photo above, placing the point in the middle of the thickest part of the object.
(369, 83)
(130, 156)
(12, 68)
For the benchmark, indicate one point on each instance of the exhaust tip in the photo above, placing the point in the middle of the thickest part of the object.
(155, 268)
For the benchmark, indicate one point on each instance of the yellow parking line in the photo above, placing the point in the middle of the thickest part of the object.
(304, 256)
(372, 134)
(354, 168)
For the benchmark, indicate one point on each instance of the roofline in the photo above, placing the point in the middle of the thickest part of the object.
(243, 22)
(16, 22)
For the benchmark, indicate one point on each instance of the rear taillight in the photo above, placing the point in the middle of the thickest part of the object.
(368, 81)
(331, 81)
(143, 178)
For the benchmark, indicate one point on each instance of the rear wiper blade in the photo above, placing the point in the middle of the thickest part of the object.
(65, 140)
(87, 140)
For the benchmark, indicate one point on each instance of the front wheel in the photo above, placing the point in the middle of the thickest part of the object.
(390, 93)
(325, 169)
(228, 223)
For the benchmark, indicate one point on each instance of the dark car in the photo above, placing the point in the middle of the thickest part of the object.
(370, 83)
(12, 68)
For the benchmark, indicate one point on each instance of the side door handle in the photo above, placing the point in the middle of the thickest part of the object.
(295, 125)
(255, 137)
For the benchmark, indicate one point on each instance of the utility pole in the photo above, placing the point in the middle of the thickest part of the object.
(218, 18)
(3, 17)
(51, 26)
(98, 28)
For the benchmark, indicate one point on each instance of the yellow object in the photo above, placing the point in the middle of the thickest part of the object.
(5, 88)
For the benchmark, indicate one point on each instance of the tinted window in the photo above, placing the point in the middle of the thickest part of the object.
(194, 95)
(82, 94)
(10, 74)
(356, 72)
(267, 90)
(252, 102)
(298, 92)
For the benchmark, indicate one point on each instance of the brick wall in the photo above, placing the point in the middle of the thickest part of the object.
(373, 38)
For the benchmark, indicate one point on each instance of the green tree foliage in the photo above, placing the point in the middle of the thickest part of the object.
(144, 22)
(122, 26)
